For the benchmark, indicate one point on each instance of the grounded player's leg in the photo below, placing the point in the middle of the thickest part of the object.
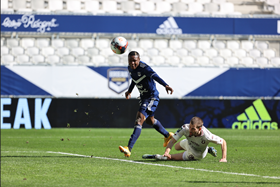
(178, 156)
(178, 146)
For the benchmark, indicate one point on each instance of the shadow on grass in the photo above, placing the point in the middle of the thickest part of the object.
(230, 182)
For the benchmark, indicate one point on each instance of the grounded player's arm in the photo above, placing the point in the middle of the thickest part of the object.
(160, 81)
(169, 147)
(224, 151)
(127, 94)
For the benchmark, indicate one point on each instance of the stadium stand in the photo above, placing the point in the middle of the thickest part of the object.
(184, 51)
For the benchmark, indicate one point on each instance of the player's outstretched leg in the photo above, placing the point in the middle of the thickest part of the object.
(148, 156)
(167, 135)
(135, 135)
(212, 151)
(160, 157)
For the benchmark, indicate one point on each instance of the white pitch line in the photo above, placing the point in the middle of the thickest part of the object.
(162, 165)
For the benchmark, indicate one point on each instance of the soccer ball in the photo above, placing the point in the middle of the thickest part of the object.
(119, 45)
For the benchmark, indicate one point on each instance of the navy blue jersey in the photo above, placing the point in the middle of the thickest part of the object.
(143, 77)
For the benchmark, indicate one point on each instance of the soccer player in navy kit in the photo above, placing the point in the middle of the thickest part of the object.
(143, 77)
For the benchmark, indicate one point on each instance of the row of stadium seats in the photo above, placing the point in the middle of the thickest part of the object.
(97, 52)
(136, 7)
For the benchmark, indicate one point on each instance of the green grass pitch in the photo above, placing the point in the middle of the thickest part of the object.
(25, 160)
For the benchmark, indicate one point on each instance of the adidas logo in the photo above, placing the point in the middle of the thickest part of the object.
(169, 27)
(255, 117)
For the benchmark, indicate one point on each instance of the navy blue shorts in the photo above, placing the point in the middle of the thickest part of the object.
(148, 106)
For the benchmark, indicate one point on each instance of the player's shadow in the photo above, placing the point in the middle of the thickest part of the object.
(229, 182)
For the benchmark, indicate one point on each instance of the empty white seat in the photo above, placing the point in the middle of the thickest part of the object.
(233, 45)
(187, 1)
(247, 61)
(4, 50)
(160, 43)
(132, 43)
(39, 6)
(175, 44)
(55, 5)
(98, 59)
(203, 60)
(102, 43)
(219, 44)
(240, 53)
(247, 45)
(147, 7)
(189, 44)
(92, 51)
(21, 6)
(166, 52)
(38, 59)
(179, 7)
(68, 60)
(211, 52)
(106, 52)
(174, 60)
(27, 42)
(23, 59)
(152, 52)
(272, 2)
(7, 59)
(181, 52)
(269, 53)
(113, 60)
(5, 6)
(211, 7)
(2, 41)
(71, 43)
(57, 43)
(53, 59)
(86, 43)
(195, 7)
(83, 59)
(127, 6)
(158, 60)
(218, 60)
(254, 53)
(204, 44)
(275, 61)
(145, 59)
(62, 51)
(188, 60)
(77, 51)
(232, 61)
(226, 7)
(46, 51)
(196, 52)
(203, 1)
(261, 45)
(163, 7)
(93, 7)
(219, 1)
(17, 51)
(146, 43)
(32, 51)
(42, 42)
(262, 61)
(225, 53)
(74, 6)
(12, 42)
(110, 7)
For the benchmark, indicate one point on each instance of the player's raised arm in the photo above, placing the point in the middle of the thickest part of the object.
(224, 151)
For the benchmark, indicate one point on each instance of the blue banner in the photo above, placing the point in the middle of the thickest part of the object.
(138, 24)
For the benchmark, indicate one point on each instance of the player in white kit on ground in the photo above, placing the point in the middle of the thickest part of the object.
(195, 144)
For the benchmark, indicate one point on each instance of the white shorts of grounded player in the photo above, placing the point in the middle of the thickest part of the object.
(191, 154)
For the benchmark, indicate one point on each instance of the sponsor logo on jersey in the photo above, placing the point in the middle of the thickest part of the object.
(118, 79)
(255, 117)
(169, 27)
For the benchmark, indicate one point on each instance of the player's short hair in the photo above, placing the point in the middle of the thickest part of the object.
(133, 53)
(197, 121)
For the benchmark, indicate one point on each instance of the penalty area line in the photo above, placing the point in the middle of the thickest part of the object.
(163, 165)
